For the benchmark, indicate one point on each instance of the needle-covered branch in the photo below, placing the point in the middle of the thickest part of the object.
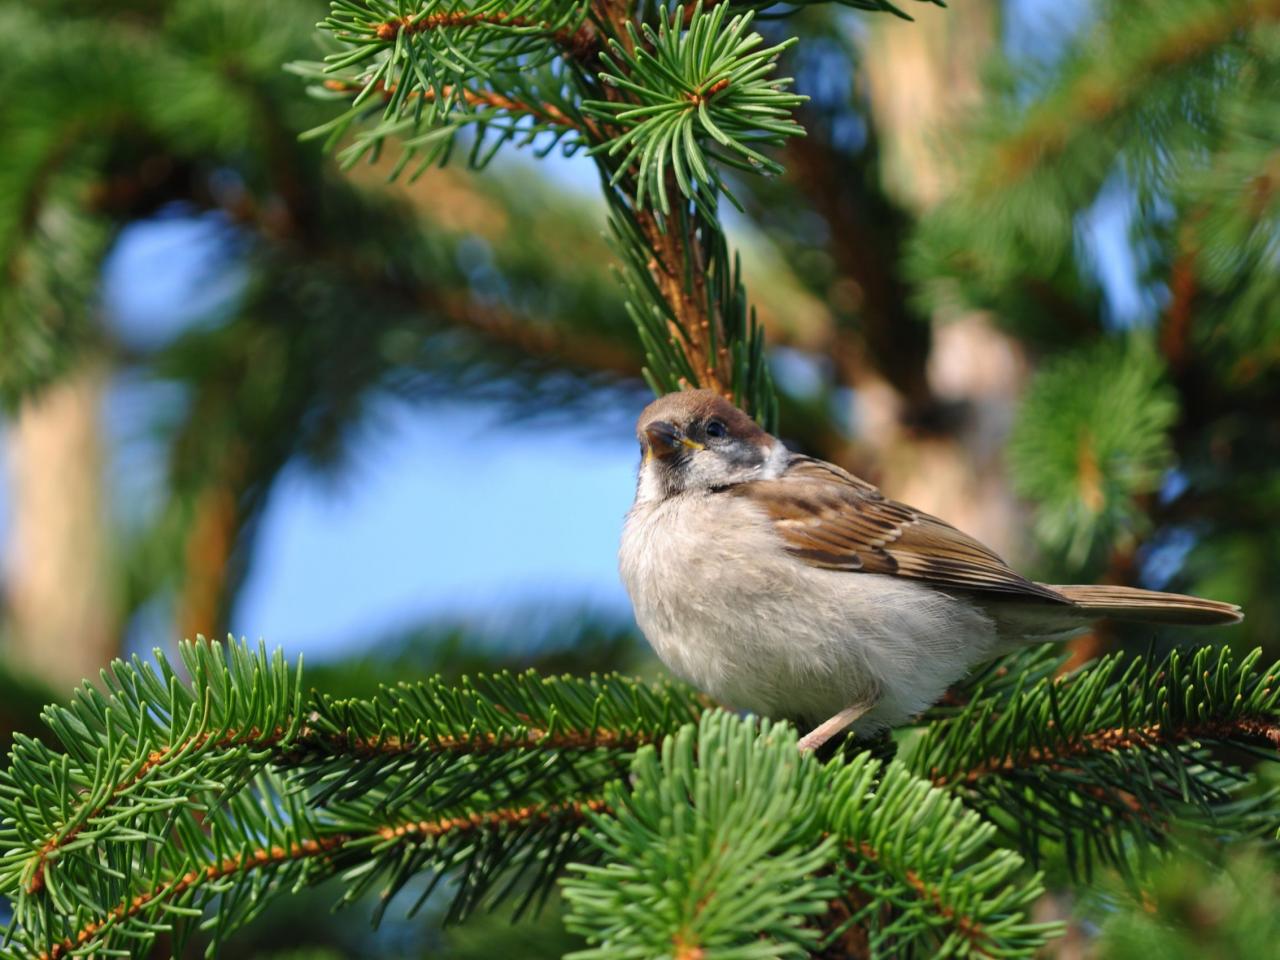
(695, 94)
(161, 785)
(666, 99)
(184, 805)
(731, 843)
(1109, 761)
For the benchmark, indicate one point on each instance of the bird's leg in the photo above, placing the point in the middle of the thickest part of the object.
(829, 728)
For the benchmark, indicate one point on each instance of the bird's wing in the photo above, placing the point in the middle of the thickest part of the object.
(829, 518)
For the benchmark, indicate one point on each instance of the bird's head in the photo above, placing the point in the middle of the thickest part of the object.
(697, 440)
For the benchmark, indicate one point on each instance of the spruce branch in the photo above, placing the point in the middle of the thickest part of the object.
(662, 110)
(1107, 760)
(1230, 221)
(93, 932)
(329, 848)
(696, 94)
(174, 797)
(1217, 903)
(166, 792)
(736, 809)
(546, 112)
(688, 303)
(767, 839)
(913, 846)
(664, 98)
(458, 35)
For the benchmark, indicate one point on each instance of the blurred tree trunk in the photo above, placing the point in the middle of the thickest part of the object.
(921, 78)
(63, 604)
(210, 574)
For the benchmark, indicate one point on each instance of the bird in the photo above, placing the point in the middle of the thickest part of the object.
(782, 585)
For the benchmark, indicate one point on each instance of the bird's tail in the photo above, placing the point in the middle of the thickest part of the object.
(1150, 606)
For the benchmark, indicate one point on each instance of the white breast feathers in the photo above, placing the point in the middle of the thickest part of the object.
(729, 611)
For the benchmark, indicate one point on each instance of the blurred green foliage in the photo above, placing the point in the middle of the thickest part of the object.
(1091, 443)
(1162, 425)
(1220, 906)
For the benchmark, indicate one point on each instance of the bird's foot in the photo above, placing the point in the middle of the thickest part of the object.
(829, 728)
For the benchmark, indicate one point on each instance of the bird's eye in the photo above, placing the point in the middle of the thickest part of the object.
(717, 429)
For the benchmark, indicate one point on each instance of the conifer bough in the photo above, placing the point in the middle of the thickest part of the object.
(172, 806)
(664, 98)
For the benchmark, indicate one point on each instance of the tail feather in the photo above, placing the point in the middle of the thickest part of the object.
(1150, 606)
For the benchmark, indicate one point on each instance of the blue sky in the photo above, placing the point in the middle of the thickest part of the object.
(444, 511)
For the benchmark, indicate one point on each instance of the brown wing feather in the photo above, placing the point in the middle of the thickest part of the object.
(829, 518)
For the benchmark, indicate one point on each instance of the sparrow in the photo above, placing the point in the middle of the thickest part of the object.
(785, 586)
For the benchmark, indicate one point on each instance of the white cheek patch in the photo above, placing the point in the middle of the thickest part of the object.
(649, 485)
(775, 462)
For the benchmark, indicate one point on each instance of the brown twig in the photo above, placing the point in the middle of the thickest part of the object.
(547, 112)
(300, 850)
(683, 948)
(307, 848)
(579, 43)
(510, 816)
(210, 539)
(891, 338)
(965, 925)
(1264, 730)
(685, 291)
(1175, 331)
(700, 96)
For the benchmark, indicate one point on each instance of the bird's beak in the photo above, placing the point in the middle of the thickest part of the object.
(663, 440)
